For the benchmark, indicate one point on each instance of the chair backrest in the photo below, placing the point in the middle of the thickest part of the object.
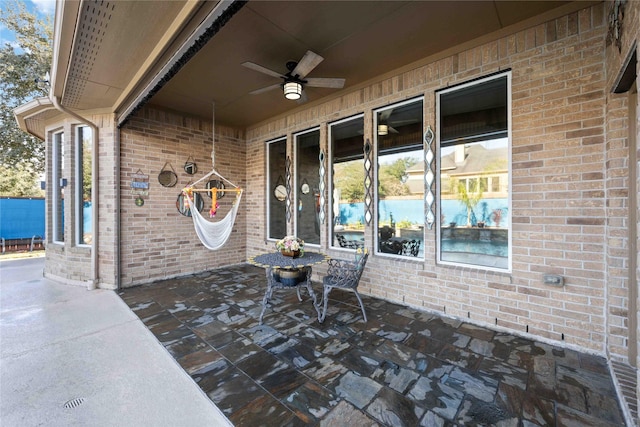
(346, 274)
(411, 247)
(386, 233)
(360, 264)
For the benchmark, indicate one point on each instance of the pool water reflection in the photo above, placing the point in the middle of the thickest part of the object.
(476, 247)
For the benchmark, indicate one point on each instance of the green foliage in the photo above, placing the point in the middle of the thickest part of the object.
(468, 199)
(405, 223)
(19, 180)
(19, 69)
(391, 176)
(349, 179)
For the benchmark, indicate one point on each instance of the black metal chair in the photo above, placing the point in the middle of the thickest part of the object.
(351, 244)
(411, 247)
(343, 274)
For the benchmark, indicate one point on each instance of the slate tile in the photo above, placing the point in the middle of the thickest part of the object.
(392, 408)
(310, 402)
(325, 370)
(239, 349)
(357, 390)
(345, 414)
(197, 360)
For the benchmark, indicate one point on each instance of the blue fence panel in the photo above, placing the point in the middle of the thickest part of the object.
(412, 210)
(22, 218)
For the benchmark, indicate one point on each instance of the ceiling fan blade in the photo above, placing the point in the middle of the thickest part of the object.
(393, 130)
(308, 62)
(325, 82)
(261, 69)
(384, 116)
(265, 89)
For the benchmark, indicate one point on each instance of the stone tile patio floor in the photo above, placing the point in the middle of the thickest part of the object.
(403, 367)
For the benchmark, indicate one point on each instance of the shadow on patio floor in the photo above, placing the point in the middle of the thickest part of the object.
(402, 368)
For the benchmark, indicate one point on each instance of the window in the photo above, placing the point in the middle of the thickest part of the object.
(347, 182)
(400, 178)
(307, 146)
(84, 160)
(276, 189)
(58, 187)
(474, 202)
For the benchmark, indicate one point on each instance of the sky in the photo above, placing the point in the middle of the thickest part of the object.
(41, 7)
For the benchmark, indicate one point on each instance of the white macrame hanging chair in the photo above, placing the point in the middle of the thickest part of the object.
(213, 235)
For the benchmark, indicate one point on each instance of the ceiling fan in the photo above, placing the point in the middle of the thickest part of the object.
(294, 79)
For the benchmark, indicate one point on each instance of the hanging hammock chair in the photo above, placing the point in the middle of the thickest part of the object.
(213, 234)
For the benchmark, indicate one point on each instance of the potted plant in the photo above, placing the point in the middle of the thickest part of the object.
(291, 246)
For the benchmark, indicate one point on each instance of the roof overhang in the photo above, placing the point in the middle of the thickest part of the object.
(32, 116)
(116, 56)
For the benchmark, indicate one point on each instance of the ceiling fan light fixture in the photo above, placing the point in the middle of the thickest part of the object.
(292, 90)
(383, 129)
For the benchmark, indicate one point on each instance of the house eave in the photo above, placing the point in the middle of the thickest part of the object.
(31, 116)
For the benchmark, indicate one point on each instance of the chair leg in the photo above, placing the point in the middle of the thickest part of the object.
(325, 300)
(361, 305)
(265, 301)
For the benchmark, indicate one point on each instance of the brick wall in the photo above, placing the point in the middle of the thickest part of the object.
(156, 240)
(68, 262)
(558, 182)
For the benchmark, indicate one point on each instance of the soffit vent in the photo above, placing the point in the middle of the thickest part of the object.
(92, 27)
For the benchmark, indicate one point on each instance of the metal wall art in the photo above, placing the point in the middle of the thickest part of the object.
(429, 177)
(368, 198)
(288, 179)
(321, 189)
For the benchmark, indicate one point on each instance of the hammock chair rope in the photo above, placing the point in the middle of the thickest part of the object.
(213, 235)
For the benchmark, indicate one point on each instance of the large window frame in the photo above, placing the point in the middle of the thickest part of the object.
(356, 238)
(402, 235)
(83, 189)
(57, 187)
(306, 185)
(487, 252)
(276, 191)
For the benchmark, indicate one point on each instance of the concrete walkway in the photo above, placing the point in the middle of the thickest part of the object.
(72, 357)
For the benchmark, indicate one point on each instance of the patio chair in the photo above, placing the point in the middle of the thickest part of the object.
(343, 274)
(411, 247)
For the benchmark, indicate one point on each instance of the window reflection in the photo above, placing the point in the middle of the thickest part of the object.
(474, 174)
(58, 187)
(84, 164)
(347, 184)
(400, 174)
(276, 189)
(307, 188)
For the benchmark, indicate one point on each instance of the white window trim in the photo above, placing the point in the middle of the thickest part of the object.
(508, 75)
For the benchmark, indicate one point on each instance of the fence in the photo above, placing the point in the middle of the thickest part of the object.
(22, 223)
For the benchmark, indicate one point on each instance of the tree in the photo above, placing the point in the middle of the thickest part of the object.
(19, 181)
(20, 67)
(469, 198)
(392, 177)
(350, 181)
